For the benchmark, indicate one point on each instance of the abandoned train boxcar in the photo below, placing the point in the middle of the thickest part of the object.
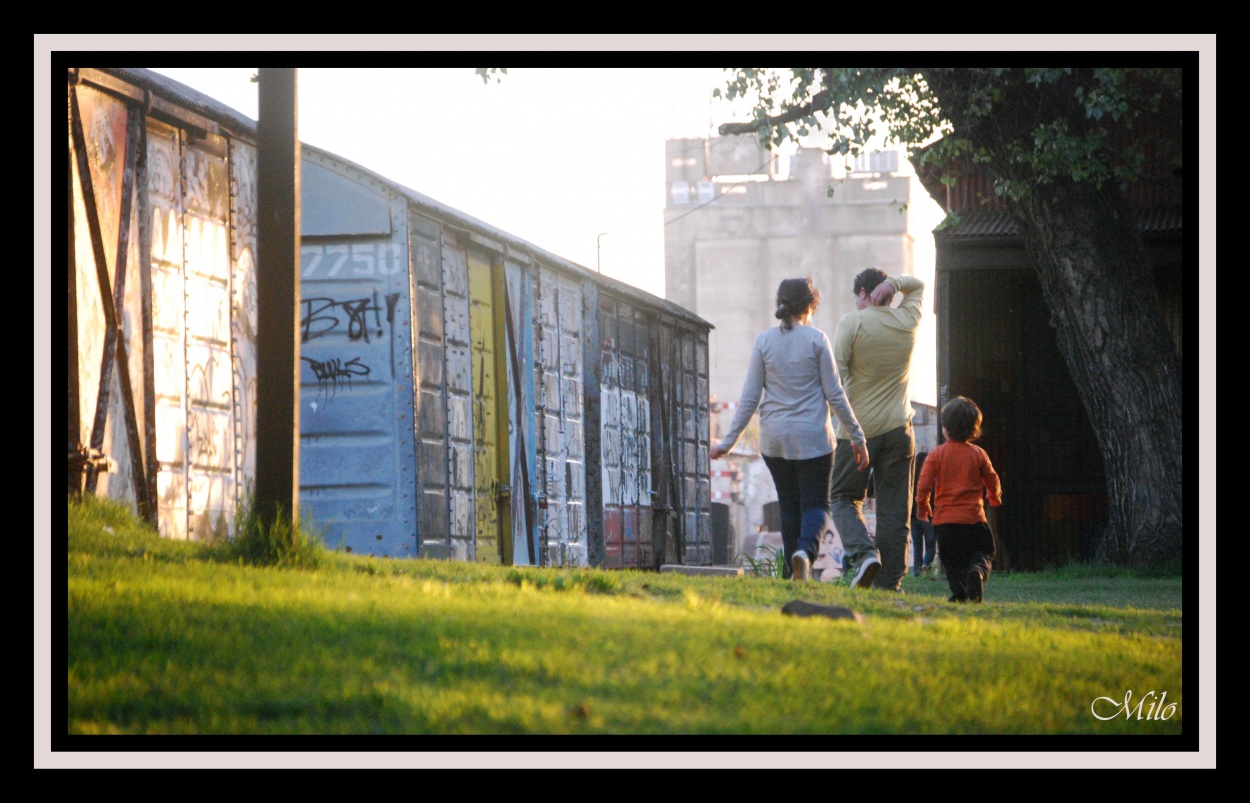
(161, 303)
(464, 393)
(560, 415)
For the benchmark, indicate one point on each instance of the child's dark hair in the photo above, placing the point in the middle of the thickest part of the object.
(795, 297)
(962, 419)
(867, 280)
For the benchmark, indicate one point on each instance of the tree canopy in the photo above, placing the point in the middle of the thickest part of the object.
(1060, 146)
(1027, 125)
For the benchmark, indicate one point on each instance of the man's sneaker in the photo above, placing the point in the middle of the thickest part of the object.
(976, 586)
(800, 566)
(866, 573)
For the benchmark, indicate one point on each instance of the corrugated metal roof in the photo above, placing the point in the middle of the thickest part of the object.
(1155, 219)
(980, 224)
(1160, 218)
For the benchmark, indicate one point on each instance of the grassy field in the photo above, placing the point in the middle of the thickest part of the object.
(167, 637)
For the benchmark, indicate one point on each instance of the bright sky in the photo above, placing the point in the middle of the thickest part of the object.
(550, 155)
(555, 156)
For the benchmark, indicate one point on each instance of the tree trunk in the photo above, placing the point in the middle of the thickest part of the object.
(1099, 287)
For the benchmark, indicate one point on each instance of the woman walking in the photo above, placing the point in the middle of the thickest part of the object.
(792, 368)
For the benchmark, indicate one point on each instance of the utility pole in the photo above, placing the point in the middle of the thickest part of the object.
(277, 297)
(599, 251)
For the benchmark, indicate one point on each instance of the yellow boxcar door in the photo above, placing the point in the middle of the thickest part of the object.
(489, 458)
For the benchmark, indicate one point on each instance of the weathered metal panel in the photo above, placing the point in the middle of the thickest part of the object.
(702, 464)
(425, 240)
(572, 404)
(243, 314)
(109, 361)
(209, 399)
(331, 206)
(613, 545)
(629, 536)
(625, 420)
(665, 533)
(682, 525)
(162, 342)
(593, 423)
(522, 416)
(208, 378)
(358, 480)
(559, 411)
(488, 546)
(607, 430)
(458, 386)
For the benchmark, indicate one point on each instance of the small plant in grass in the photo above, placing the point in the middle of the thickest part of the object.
(767, 566)
(279, 542)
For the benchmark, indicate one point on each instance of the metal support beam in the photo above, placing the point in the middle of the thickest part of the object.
(277, 286)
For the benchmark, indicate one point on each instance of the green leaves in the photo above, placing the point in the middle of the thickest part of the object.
(486, 73)
(1033, 125)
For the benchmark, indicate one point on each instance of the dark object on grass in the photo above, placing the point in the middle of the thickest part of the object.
(800, 608)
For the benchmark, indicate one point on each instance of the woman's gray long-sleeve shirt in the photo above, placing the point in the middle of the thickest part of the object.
(795, 373)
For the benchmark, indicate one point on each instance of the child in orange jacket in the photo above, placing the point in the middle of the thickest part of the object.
(959, 474)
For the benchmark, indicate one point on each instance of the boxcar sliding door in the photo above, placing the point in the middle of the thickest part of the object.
(521, 416)
(357, 449)
(492, 493)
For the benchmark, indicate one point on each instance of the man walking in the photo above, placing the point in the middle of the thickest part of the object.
(872, 348)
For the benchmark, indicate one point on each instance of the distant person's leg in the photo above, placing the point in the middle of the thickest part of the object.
(785, 478)
(813, 480)
(893, 475)
(850, 488)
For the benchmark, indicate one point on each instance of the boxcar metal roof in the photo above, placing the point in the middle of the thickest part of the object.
(181, 95)
(484, 229)
(184, 96)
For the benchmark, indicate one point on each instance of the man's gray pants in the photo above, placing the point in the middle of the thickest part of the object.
(892, 458)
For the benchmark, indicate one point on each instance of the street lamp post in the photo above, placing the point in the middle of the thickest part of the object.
(599, 251)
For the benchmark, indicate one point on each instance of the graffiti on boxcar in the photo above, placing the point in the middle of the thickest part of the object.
(202, 432)
(629, 451)
(197, 180)
(101, 143)
(243, 316)
(334, 372)
(244, 168)
(362, 316)
(162, 173)
(202, 424)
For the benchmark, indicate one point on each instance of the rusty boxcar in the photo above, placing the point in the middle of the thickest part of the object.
(161, 322)
(464, 393)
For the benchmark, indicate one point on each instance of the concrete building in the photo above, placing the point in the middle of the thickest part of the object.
(739, 219)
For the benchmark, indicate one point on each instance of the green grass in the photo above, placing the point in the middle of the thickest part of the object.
(175, 637)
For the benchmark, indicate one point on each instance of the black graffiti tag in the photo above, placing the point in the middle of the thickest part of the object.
(321, 315)
(330, 373)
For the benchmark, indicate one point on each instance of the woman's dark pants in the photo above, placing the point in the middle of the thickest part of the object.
(803, 502)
